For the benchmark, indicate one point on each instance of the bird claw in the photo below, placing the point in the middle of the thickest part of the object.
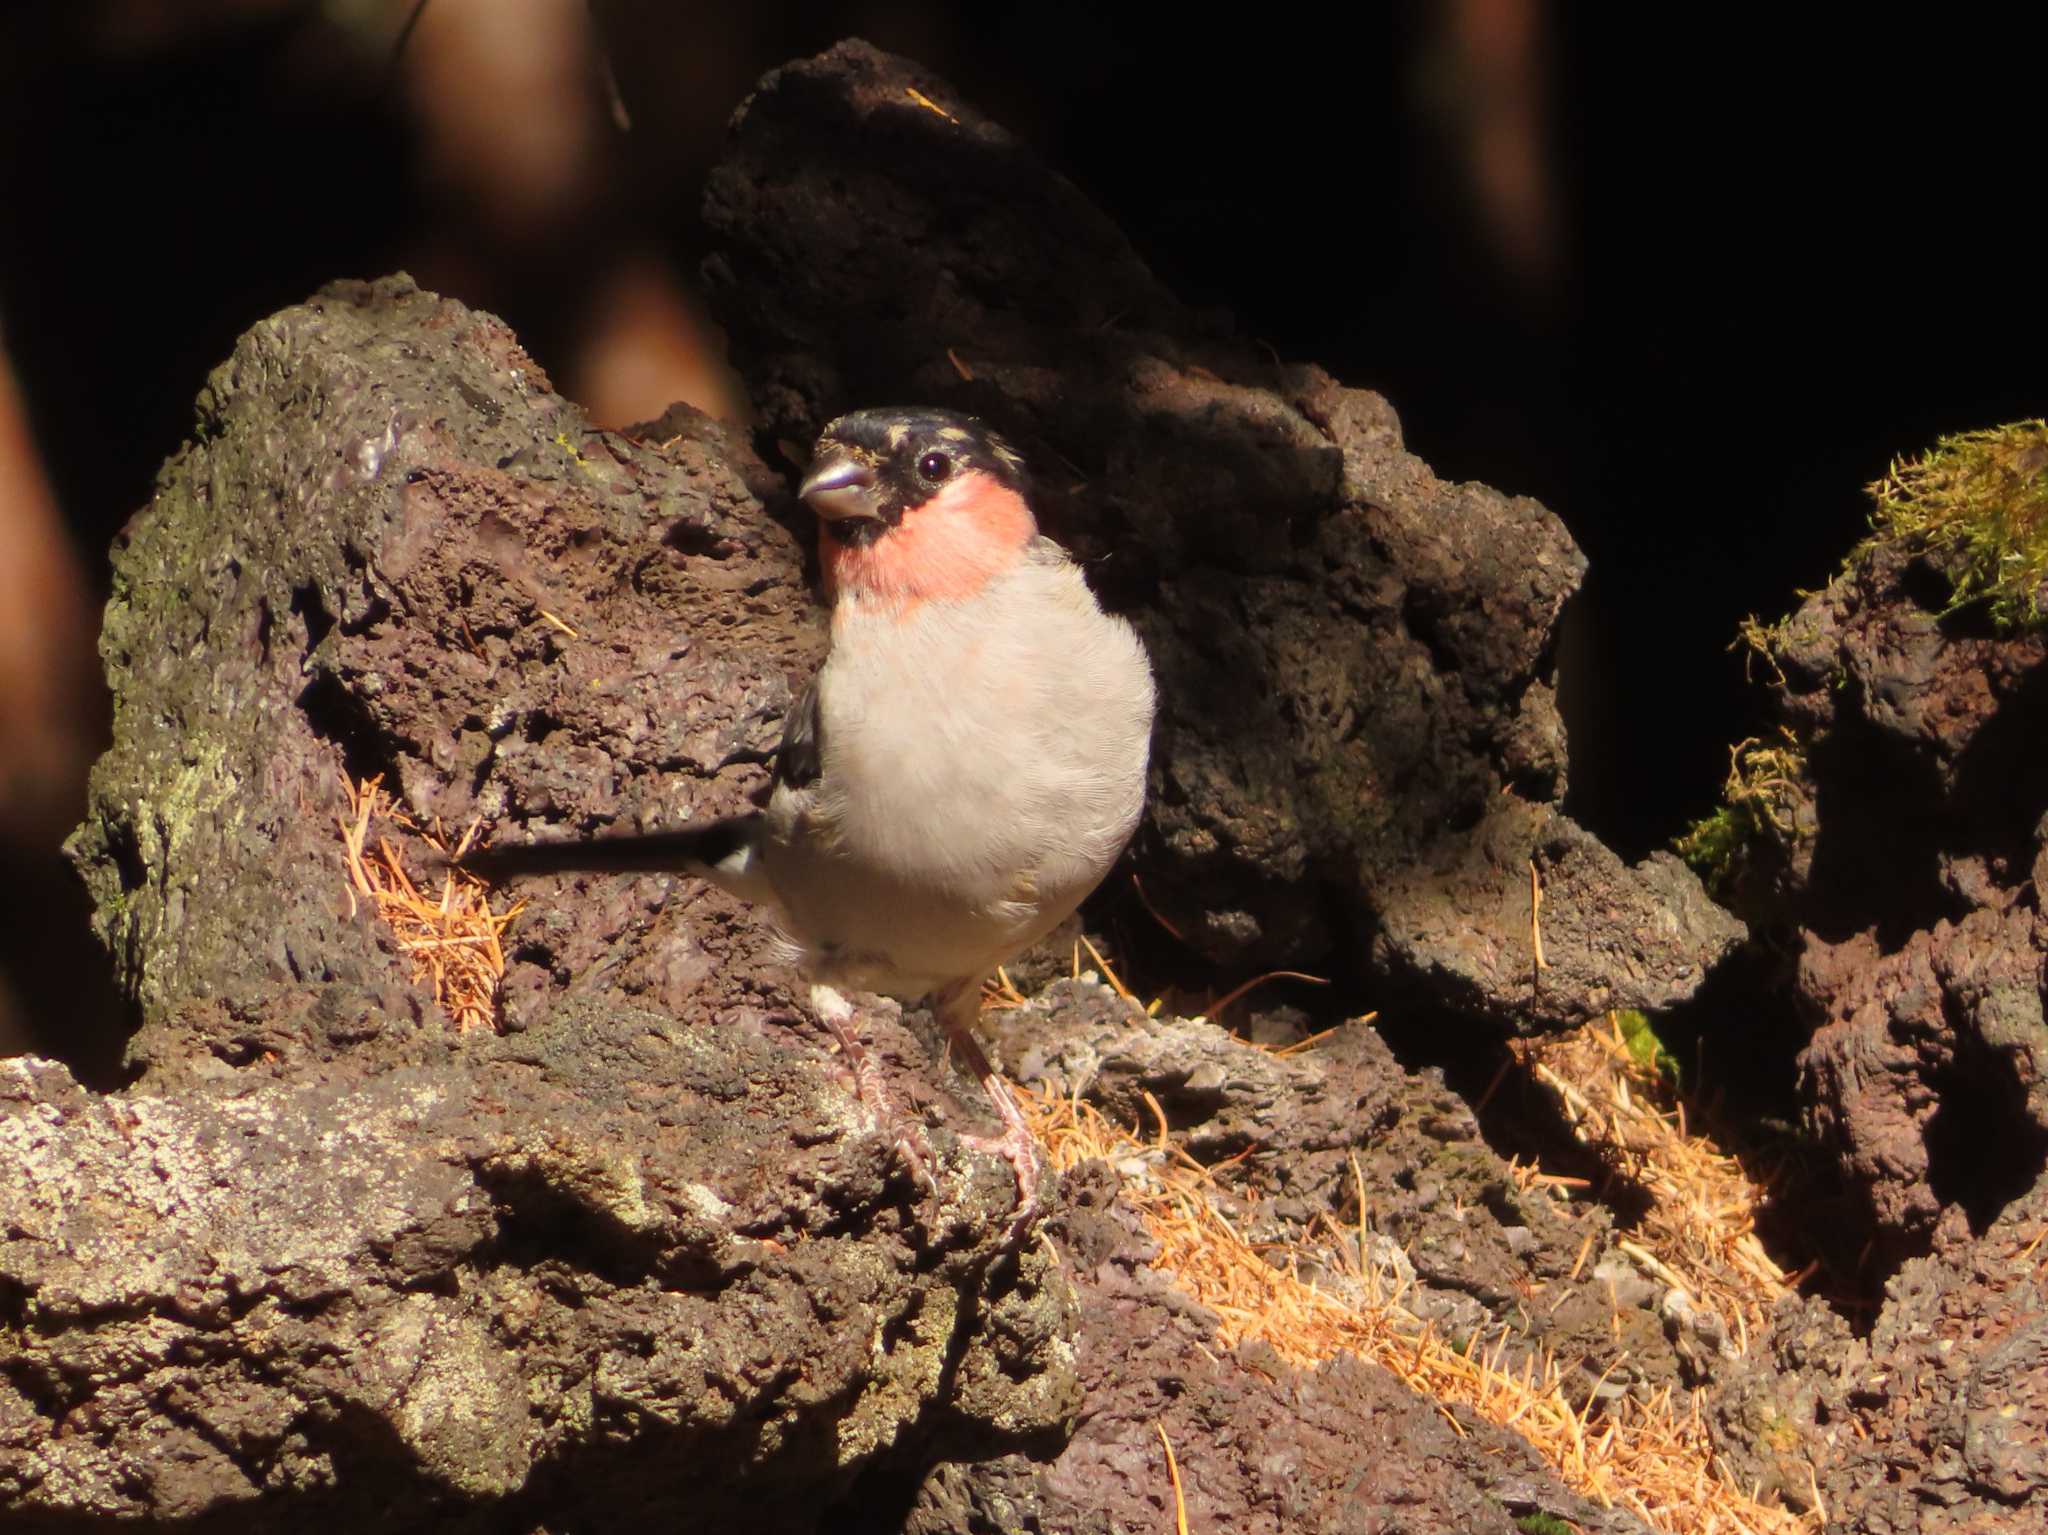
(957, 1009)
(1017, 1146)
(916, 1152)
(907, 1136)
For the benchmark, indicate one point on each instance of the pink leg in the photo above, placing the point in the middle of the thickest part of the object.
(836, 1013)
(959, 1005)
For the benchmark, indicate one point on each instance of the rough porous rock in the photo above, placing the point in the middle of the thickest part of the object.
(1920, 729)
(1947, 1402)
(1908, 886)
(328, 1259)
(1915, 903)
(1359, 753)
(1305, 1137)
(1936, 1420)
(1926, 1078)
(643, 1257)
(599, 1271)
(1337, 1448)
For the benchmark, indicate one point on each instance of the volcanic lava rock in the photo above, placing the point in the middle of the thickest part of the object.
(327, 1259)
(1906, 883)
(1359, 745)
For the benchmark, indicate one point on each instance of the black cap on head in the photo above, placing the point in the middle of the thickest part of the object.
(872, 466)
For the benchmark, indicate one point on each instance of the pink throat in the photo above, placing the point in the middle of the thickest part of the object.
(948, 548)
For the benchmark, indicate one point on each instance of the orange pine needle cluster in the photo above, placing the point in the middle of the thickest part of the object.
(1651, 1458)
(452, 939)
(1699, 1233)
(1654, 1458)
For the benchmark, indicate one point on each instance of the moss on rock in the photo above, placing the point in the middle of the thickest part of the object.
(1756, 822)
(1979, 502)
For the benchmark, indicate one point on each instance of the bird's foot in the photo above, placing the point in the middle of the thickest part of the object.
(905, 1133)
(1016, 1145)
(1019, 1147)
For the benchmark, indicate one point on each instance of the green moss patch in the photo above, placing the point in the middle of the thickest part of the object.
(1645, 1048)
(1979, 500)
(1755, 816)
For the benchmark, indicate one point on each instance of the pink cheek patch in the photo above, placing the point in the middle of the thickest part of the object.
(947, 548)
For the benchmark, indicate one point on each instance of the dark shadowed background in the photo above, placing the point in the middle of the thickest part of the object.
(1691, 285)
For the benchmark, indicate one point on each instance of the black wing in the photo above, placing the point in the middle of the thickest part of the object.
(801, 756)
(689, 849)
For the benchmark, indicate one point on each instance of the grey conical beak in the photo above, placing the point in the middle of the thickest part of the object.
(840, 486)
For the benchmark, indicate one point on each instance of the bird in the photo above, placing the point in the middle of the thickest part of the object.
(961, 773)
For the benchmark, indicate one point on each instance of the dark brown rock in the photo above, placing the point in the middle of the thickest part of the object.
(1921, 730)
(645, 1257)
(1358, 738)
(1927, 1077)
(572, 1273)
(1912, 897)
(1957, 1382)
(1307, 1136)
(1909, 888)
(1775, 1414)
(1934, 1421)
(1262, 1445)
(328, 1260)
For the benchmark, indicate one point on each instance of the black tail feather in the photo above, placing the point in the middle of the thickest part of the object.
(689, 850)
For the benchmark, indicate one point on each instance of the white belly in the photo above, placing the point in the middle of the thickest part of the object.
(983, 766)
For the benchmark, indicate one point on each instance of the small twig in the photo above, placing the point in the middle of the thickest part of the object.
(1180, 1507)
(1310, 1041)
(1215, 1008)
(921, 99)
(1145, 901)
(1492, 1087)
(1109, 975)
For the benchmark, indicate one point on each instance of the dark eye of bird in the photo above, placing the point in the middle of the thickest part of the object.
(934, 466)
